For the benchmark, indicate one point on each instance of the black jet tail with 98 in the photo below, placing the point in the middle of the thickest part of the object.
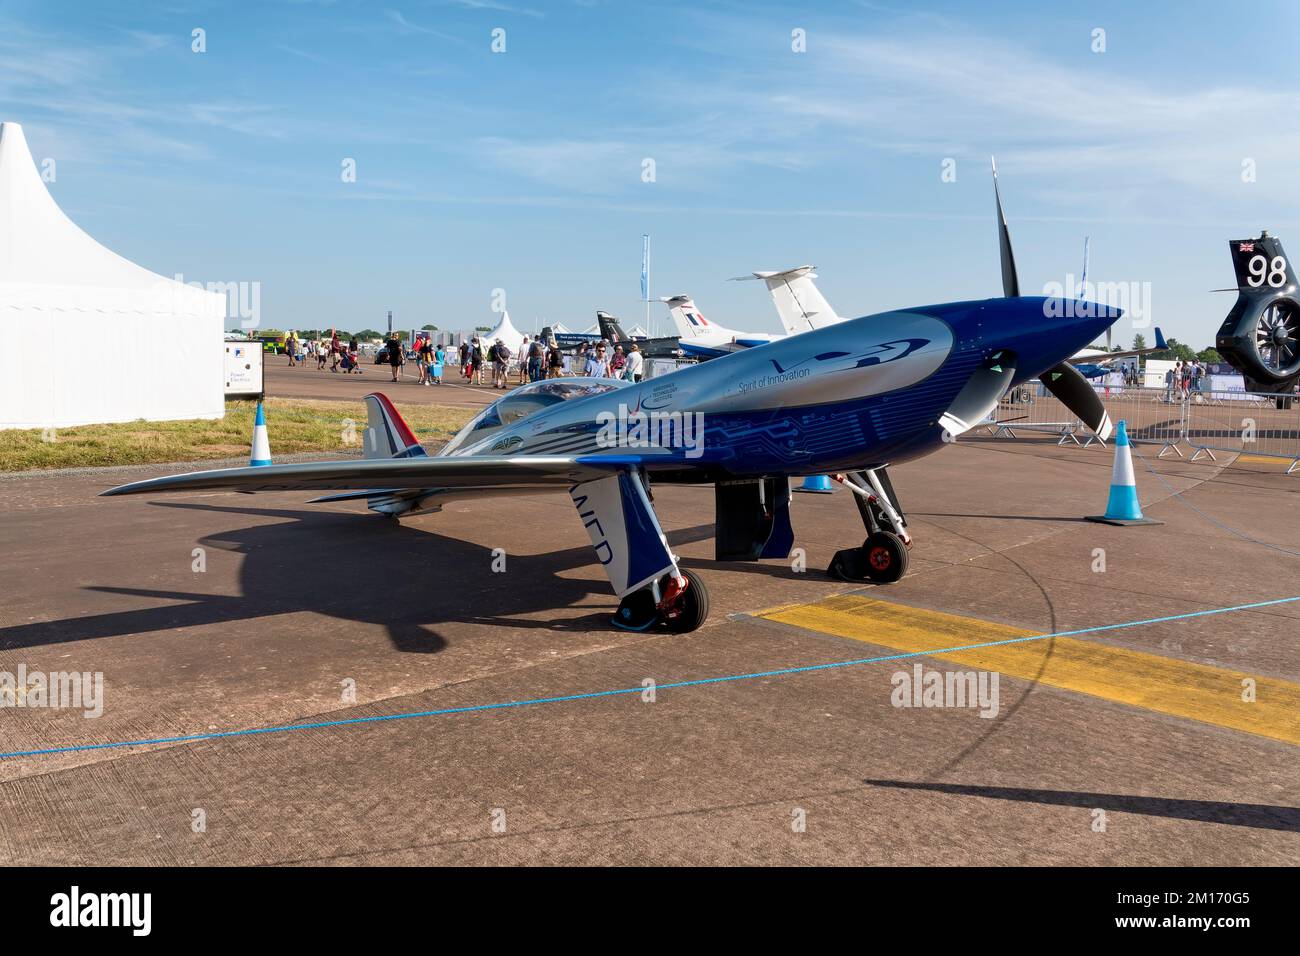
(1261, 335)
(849, 399)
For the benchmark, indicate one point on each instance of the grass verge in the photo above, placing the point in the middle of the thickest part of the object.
(294, 425)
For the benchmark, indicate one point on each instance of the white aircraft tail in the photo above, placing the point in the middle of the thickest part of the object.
(799, 302)
(687, 318)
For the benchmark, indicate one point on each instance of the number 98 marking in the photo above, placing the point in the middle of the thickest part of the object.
(1261, 269)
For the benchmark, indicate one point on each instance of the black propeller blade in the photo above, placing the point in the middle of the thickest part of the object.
(1010, 281)
(1069, 385)
(1064, 381)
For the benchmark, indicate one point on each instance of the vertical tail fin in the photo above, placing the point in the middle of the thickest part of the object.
(687, 319)
(610, 328)
(1261, 335)
(799, 303)
(387, 435)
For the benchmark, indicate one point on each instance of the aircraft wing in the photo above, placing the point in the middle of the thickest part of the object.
(498, 473)
(1160, 346)
(608, 493)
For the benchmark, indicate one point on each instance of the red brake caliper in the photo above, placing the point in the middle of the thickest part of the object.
(676, 586)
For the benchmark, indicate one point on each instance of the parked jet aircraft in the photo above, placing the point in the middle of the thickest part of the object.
(849, 399)
(1095, 362)
(799, 304)
(611, 331)
(697, 336)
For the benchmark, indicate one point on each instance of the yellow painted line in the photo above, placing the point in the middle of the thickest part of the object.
(1266, 460)
(1211, 695)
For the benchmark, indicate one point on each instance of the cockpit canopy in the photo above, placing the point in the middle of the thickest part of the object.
(527, 400)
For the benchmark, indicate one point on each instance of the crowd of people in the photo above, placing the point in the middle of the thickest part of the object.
(334, 354)
(534, 361)
(1183, 379)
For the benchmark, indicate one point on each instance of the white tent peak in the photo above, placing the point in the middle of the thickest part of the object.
(510, 337)
(40, 245)
(156, 342)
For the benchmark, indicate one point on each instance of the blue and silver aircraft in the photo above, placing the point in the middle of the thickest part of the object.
(850, 399)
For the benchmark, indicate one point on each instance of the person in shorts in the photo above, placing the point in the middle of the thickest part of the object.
(395, 357)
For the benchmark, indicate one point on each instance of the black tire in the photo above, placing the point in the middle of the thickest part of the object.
(693, 604)
(885, 557)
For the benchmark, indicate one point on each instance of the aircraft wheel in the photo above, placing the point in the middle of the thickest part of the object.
(691, 606)
(886, 557)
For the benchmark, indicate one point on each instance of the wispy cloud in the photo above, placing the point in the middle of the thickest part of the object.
(304, 54)
(493, 5)
(244, 118)
(148, 41)
(959, 92)
(398, 19)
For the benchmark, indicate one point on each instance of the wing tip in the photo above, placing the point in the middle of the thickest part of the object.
(131, 488)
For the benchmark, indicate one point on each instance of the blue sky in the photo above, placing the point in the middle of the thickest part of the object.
(522, 170)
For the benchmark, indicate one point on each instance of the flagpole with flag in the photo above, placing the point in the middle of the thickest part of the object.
(645, 278)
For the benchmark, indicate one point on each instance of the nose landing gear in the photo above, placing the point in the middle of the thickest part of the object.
(882, 559)
(886, 557)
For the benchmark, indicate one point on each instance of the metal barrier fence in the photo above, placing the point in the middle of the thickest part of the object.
(1207, 422)
(1031, 408)
(1150, 417)
(1240, 423)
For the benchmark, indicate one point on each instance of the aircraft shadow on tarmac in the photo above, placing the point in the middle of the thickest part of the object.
(359, 568)
(1258, 815)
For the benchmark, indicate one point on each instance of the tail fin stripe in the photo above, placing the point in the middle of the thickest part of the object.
(398, 439)
(404, 438)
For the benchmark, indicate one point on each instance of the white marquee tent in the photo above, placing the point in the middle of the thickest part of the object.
(510, 337)
(92, 337)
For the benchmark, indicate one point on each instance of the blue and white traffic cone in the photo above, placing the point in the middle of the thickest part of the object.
(1122, 507)
(261, 445)
(816, 484)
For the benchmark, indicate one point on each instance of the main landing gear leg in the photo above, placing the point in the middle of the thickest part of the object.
(634, 553)
(679, 604)
(882, 558)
